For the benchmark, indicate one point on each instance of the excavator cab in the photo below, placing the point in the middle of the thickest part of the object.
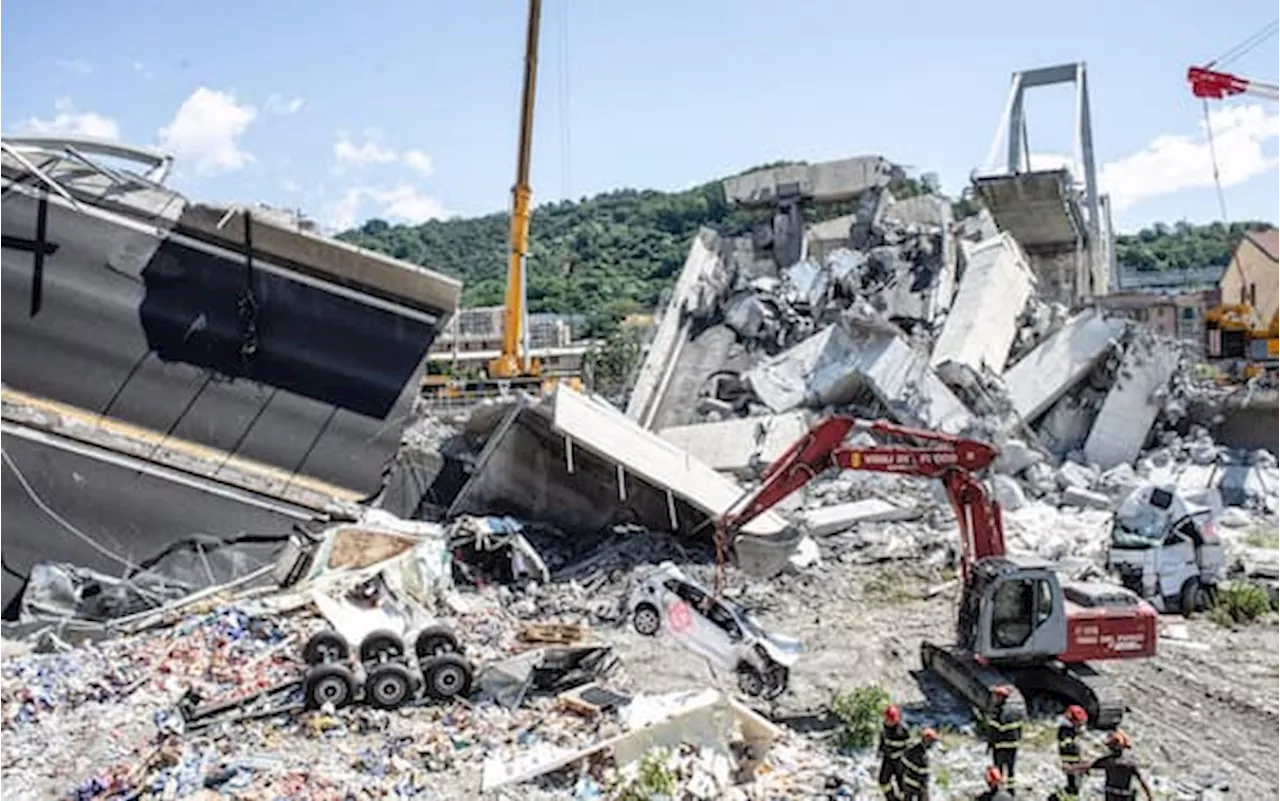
(1013, 611)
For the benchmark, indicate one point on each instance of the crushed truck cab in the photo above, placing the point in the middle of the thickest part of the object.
(1165, 548)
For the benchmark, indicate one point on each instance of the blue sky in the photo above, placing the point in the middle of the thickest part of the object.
(407, 109)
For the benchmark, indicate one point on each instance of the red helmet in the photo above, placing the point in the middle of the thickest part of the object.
(929, 735)
(1076, 714)
(1002, 691)
(1118, 740)
(892, 715)
(995, 777)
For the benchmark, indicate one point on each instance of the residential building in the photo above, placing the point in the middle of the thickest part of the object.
(1180, 316)
(1253, 277)
(473, 337)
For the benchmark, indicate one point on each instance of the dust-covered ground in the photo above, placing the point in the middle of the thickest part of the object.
(1203, 713)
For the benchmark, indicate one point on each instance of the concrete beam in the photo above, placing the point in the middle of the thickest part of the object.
(1125, 419)
(983, 320)
(828, 182)
(736, 445)
(1059, 362)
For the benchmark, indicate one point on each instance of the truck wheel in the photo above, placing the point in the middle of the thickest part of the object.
(382, 645)
(388, 686)
(447, 676)
(646, 620)
(1193, 598)
(434, 641)
(328, 684)
(750, 681)
(325, 647)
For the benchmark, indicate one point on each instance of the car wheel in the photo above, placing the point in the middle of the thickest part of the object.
(447, 676)
(647, 620)
(778, 677)
(750, 681)
(328, 684)
(388, 686)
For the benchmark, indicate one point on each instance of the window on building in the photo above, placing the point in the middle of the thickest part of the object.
(1189, 313)
(1253, 295)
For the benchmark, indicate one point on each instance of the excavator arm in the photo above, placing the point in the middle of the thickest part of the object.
(951, 459)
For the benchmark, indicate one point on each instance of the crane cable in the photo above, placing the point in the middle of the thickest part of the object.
(566, 143)
(1248, 44)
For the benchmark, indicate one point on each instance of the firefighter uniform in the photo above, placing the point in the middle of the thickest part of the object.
(1121, 772)
(894, 739)
(1003, 731)
(1069, 756)
(915, 771)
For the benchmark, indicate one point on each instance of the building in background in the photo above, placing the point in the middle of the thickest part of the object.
(1253, 277)
(1179, 315)
(474, 336)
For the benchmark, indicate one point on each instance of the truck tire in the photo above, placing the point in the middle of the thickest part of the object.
(325, 647)
(1195, 597)
(433, 641)
(447, 676)
(382, 645)
(388, 686)
(328, 684)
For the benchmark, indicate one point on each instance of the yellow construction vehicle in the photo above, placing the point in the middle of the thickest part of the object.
(514, 366)
(1234, 332)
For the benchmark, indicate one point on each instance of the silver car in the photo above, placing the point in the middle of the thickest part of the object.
(719, 630)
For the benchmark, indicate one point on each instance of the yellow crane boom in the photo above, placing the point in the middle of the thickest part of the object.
(514, 360)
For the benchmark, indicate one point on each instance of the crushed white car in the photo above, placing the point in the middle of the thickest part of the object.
(719, 630)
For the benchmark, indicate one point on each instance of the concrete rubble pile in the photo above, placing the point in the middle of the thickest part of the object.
(898, 312)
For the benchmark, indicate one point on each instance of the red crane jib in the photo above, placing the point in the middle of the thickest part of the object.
(1215, 85)
(943, 456)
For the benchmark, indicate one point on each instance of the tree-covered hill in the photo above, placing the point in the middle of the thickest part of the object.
(1182, 246)
(617, 252)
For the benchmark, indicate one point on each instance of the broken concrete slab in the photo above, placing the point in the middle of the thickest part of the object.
(1124, 421)
(828, 182)
(983, 320)
(1016, 456)
(1008, 492)
(673, 330)
(1071, 474)
(827, 520)
(741, 444)
(1058, 363)
(829, 368)
(577, 463)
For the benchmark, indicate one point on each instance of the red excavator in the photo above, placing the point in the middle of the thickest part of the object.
(1018, 624)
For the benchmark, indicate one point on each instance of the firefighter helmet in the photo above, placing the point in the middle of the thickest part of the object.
(1118, 740)
(892, 715)
(1076, 714)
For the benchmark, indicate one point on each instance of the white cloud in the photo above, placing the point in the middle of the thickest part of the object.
(204, 133)
(400, 203)
(75, 66)
(348, 154)
(419, 161)
(289, 186)
(67, 120)
(278, 105)
(1169, 163)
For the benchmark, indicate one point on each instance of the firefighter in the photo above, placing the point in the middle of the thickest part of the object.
(1003, 731)
(1119, 769)
(894, 739)
(1069, 730)
(995, 787)
(915, 767)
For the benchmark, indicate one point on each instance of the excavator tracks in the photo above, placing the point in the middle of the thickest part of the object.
(1077, 684)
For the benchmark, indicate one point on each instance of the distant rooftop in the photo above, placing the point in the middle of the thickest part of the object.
(1268, 241)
